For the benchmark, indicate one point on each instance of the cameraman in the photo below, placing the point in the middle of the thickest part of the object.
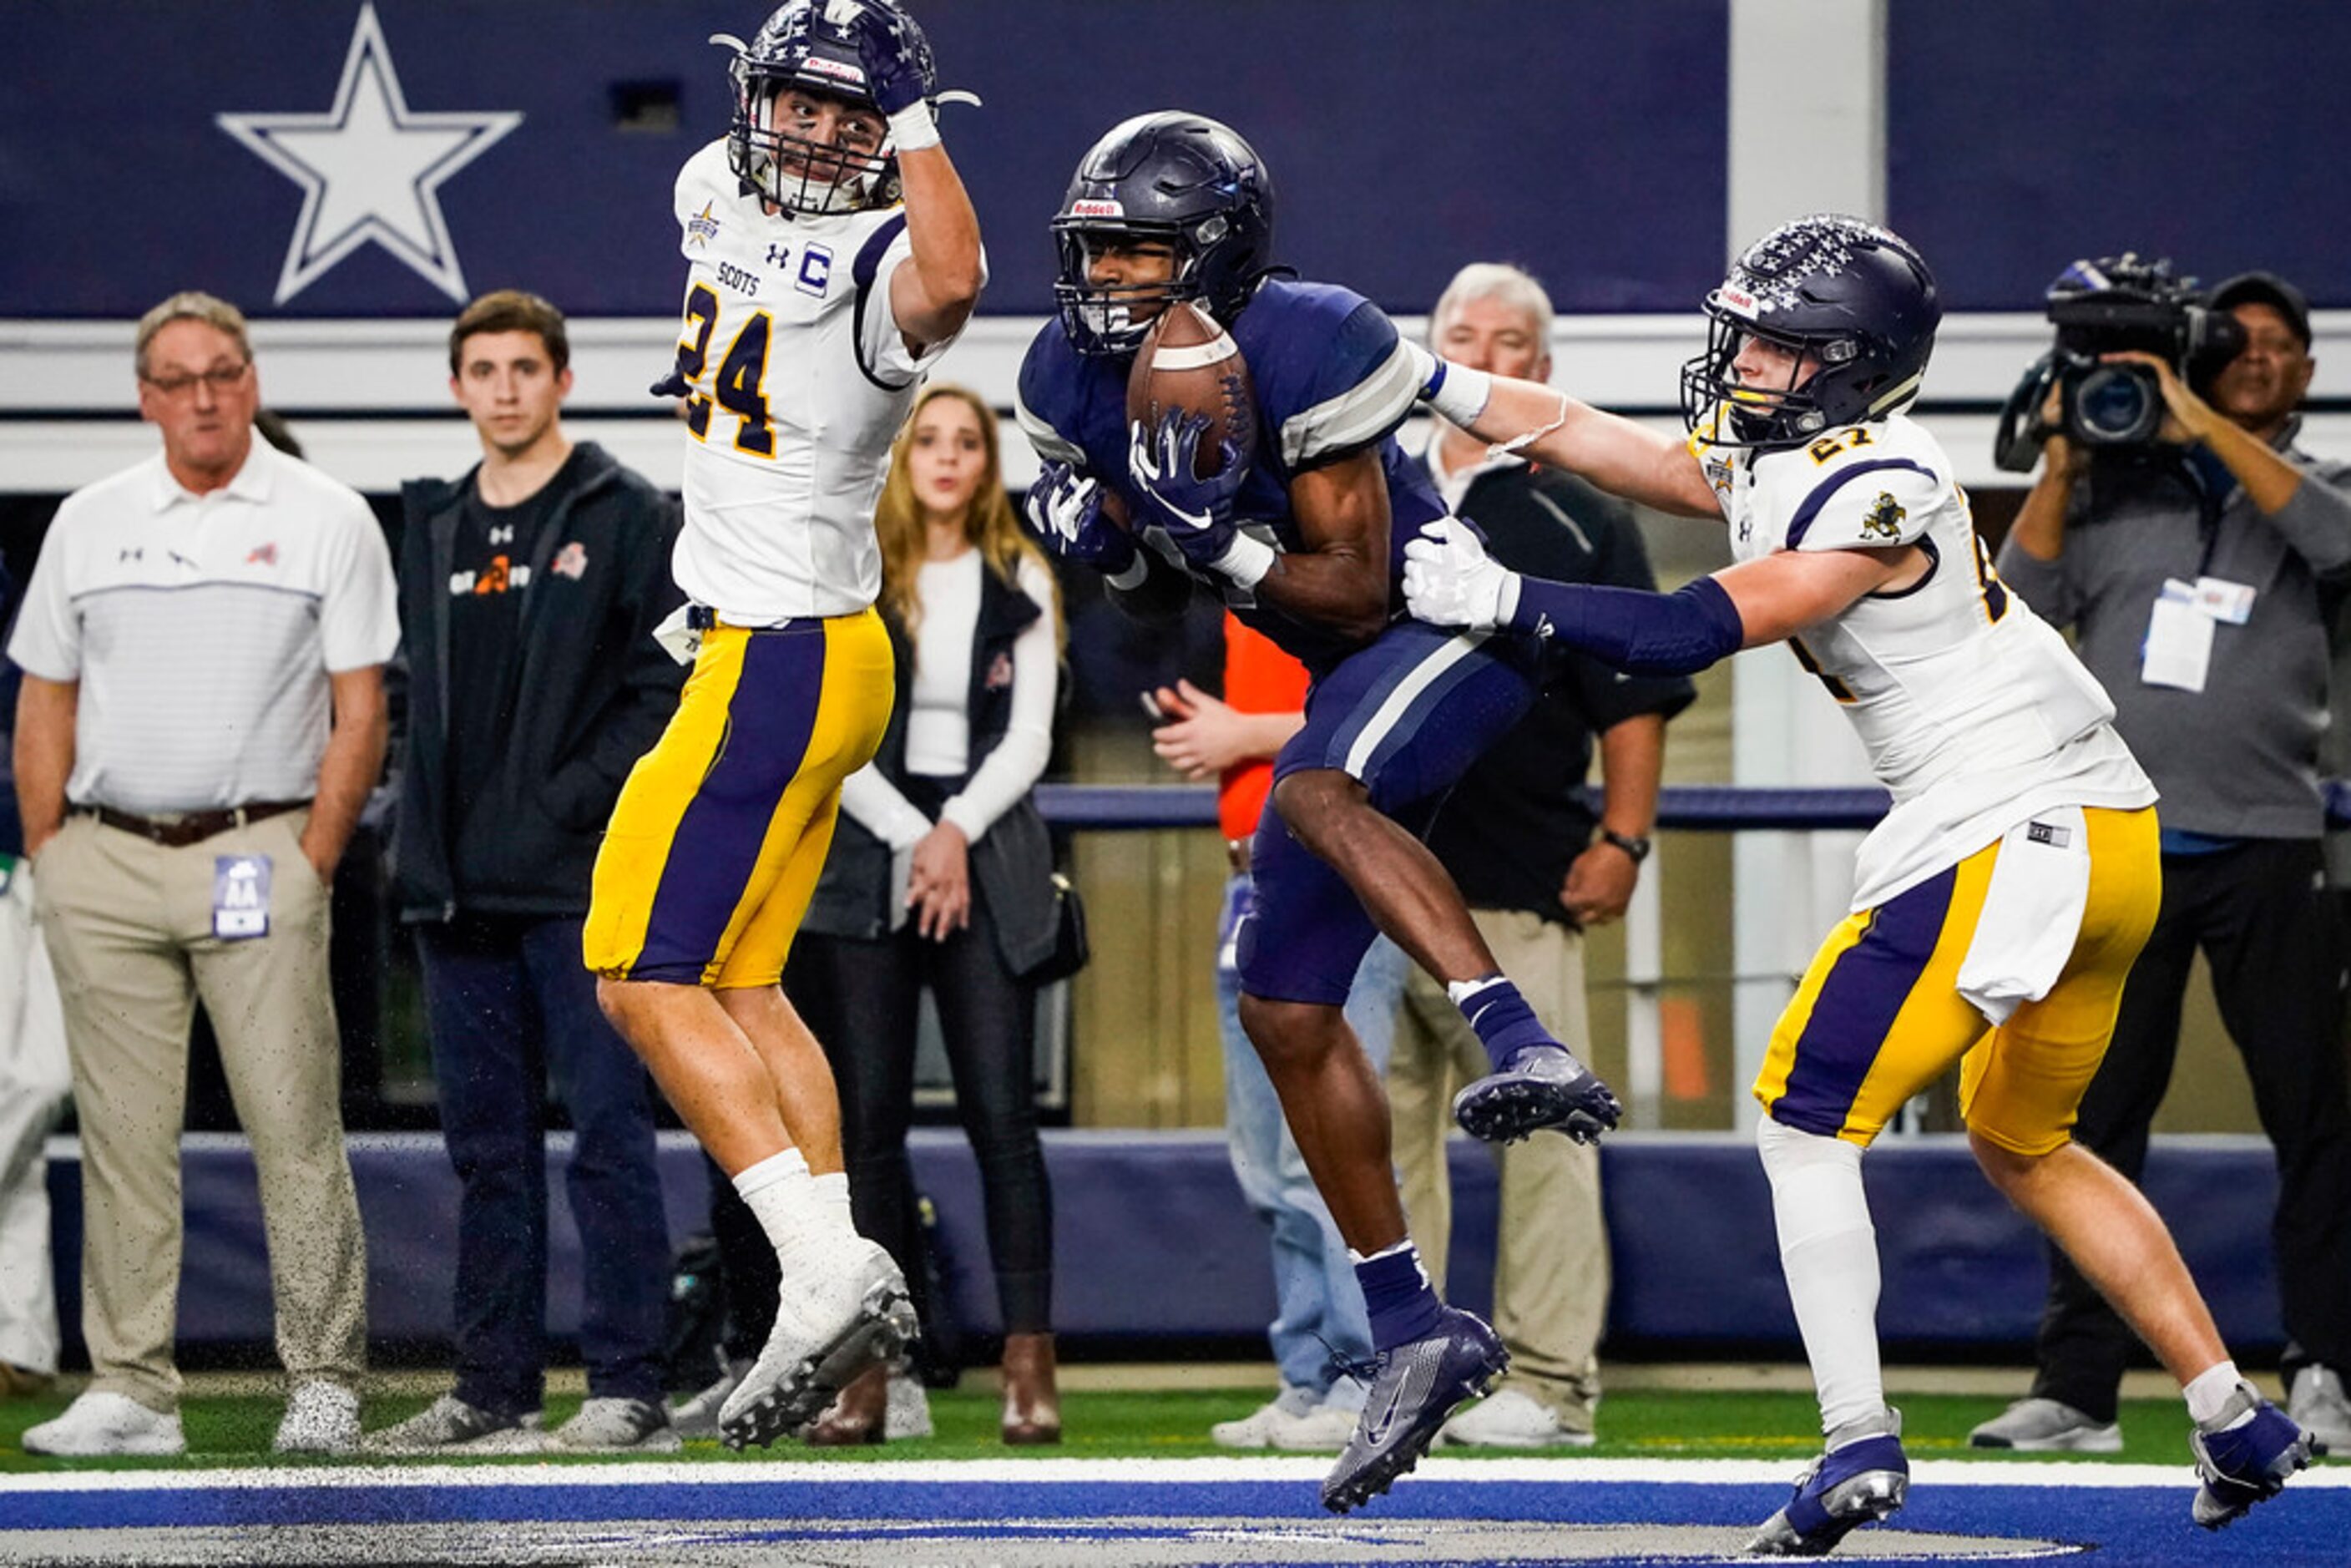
(2195, 572)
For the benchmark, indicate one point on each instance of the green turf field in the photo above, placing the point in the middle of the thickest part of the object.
(234, 1429)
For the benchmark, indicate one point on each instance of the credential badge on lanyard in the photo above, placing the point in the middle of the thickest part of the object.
(240, 897)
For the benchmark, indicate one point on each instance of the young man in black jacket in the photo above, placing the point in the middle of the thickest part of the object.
(529, 592)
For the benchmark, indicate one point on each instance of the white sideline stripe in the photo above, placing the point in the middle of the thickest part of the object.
(1129, 1472)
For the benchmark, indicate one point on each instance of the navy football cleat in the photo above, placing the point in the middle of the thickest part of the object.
(1415, 1387)
(1858, 1483)
(2247, 1463)
(1539, 1086)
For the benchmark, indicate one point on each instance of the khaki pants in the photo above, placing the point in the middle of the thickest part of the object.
(130, 930)
(1551, 1268)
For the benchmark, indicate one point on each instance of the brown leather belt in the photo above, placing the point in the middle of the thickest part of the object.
(195, 827)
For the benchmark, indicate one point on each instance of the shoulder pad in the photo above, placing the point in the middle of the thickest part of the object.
(1864, 500)
(1329, 369)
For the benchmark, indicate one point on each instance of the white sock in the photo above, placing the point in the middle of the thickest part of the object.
(1828, 1249)
(781, 1194)
(2209, 1393)
(832, 1203)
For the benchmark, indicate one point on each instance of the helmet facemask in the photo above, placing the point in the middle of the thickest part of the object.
(1114, 318)
(1725, 412)
(770, 150)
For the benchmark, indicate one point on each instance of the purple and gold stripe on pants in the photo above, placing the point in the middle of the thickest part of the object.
(715, 846)
(1879, 1016)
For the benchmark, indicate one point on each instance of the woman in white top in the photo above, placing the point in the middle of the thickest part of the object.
(940, 877)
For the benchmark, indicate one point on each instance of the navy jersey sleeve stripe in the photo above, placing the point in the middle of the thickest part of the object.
(1802, 521)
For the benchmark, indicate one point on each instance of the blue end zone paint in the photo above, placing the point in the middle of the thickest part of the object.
(2137, 1524)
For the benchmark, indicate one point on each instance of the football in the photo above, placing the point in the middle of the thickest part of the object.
(1187, 361)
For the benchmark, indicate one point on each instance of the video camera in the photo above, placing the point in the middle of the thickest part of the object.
(2103, 308)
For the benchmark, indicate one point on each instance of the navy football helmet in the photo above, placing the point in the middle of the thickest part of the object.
(808, 45)
(1852, 295)
(1179, 179)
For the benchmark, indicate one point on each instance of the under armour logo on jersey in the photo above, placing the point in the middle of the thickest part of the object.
(133, 553)
(778, 253)
(2048, 833)
(503, 535)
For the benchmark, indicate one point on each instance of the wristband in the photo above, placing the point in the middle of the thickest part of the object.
(913, 128)
(1458, 393)
(1244, 561)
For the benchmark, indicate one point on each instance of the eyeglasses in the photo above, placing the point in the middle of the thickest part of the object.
(220, 378)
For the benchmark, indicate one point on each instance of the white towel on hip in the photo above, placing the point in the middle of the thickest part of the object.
(2032, 914)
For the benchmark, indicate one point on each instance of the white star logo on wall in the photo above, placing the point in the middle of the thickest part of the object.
(369, 169)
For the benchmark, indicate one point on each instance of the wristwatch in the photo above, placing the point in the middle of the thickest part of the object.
(1638, 848)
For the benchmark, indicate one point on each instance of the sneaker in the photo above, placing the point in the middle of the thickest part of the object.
(1539, 1086)
(322, 1416)
(450, 1425)
(1262, 1426)
(2038, 1425)
(1511, 1418)
(908, 1412)
(2318, 1407)
(613, 1425)
(698, 1416)
(1859, 1480)
(1321, 1430)
(1414, 1387)
(2247, 1462)
(840, 1312)
(100, 1423)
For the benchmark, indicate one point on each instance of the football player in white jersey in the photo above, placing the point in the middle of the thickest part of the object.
(832, 253)
(2002, 902)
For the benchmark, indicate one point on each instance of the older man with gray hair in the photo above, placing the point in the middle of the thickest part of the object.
(201, 717)
(1538, 869)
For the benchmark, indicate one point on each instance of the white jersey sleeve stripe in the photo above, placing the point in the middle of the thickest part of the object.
(1356, 417)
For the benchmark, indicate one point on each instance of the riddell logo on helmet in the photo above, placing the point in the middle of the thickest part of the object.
(1090, 207)
(842, 70)
(1737, 299)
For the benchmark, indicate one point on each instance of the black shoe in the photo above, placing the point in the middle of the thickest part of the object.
(1415, 1387)
(1539, 1086)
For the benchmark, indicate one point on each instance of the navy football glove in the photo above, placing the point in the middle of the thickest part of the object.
(1065, 512)
(1196, 513)
(899, 72)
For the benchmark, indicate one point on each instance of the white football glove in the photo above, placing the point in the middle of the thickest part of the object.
(1450, 580)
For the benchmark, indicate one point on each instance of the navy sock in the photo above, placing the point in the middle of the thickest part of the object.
(1397, 1295)
(1500, 1016)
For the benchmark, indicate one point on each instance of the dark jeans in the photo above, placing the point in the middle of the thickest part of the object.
(2271, 936)
(511, 1009)
(862, 999)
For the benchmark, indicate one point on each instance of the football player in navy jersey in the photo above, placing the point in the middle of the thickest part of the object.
(1302, 537)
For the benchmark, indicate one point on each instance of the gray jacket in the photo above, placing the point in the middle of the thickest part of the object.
(2238, 759)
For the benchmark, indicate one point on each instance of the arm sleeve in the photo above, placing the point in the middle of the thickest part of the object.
(1012, 769)
(875, 805)
(2316, 522)
(358, 622)
(48, 639)
(2044, 585)
(1643, 634)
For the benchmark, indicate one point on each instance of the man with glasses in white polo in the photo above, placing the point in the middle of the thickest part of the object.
(201, 717)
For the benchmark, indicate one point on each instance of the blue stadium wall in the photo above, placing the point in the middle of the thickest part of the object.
(1584, 136)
